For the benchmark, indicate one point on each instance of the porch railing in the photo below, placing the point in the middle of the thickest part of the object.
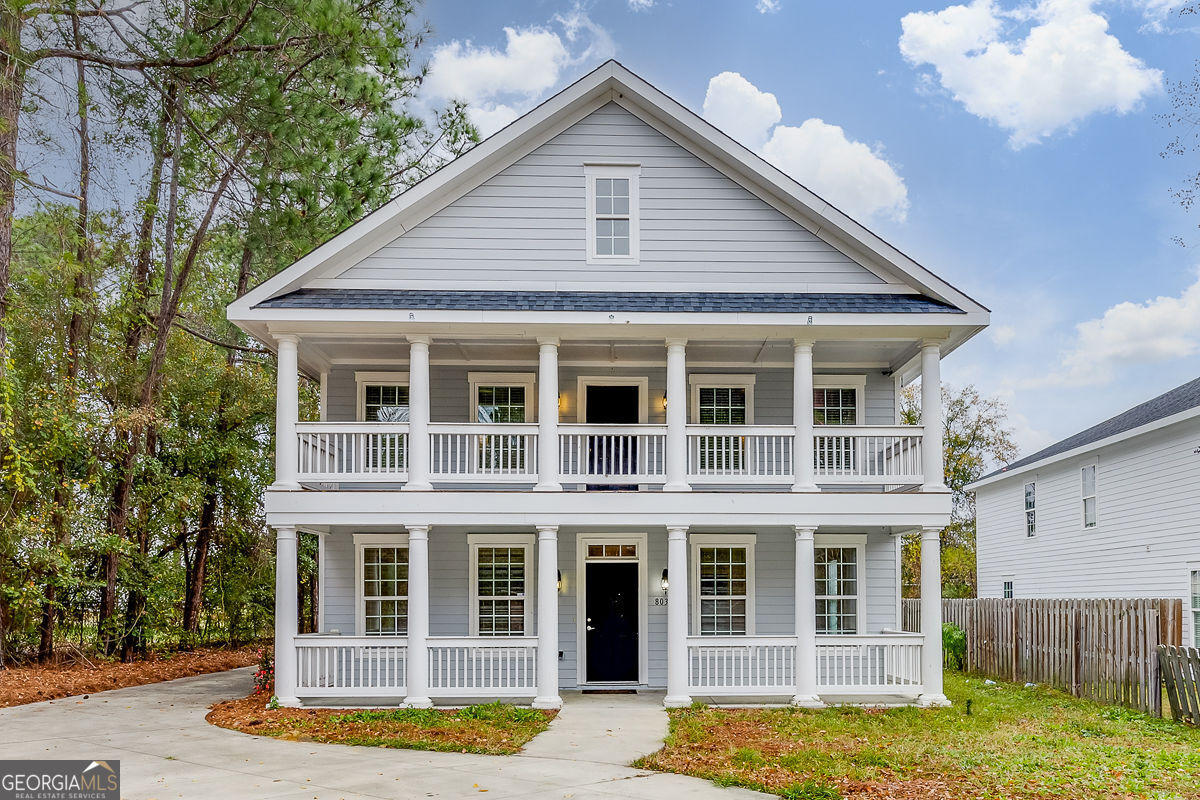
(499, 454)
(740, 453)
(868, 454)
(884, 664)
(357, 451)
(741, 665)
(483, 452)
(483, 666)
(612, 454)
(355, 666)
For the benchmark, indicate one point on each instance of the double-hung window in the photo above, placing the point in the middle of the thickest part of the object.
(382, 578)
(837, 400)
(501, 584)
(383, 397)
(1088, 490)
(1195, 607)
(839, 585)
(723, 593)
(501, 398)
(722, 400)
(1008, 590)
(612, 213)
(1031, 509)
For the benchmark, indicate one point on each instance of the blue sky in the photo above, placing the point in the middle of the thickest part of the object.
(1014, 149)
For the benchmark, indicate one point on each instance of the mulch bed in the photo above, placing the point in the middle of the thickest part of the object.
(37, 682)
(495, 729)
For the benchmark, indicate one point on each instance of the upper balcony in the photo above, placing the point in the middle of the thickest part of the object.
(548, 415)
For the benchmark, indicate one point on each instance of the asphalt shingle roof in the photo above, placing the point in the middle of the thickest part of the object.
(722, 302)
(1181, 398)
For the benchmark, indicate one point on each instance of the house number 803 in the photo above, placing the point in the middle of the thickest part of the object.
(660, 601)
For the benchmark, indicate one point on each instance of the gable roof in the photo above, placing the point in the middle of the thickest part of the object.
(611, 82)
(670, 302)
(1152, 413)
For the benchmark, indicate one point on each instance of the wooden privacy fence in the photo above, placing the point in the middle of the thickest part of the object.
(1102, 649)
(1181, 678)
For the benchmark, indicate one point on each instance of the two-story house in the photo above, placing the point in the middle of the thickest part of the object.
(1112, 511)
(608, 402)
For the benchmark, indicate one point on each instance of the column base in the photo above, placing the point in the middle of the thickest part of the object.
(812, 487)
(933, 701)
(284, 486)
(676, 487)
(417, 702)
(424, 486)
(808, 701)
(547, 703)
(935, 487)
(287, 702)
(548, 487)
(677, 701)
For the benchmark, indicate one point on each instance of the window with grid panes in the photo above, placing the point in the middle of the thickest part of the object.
(837, 589)
(723, 591)
(502, 404)
(385, 591)
(501, 590)
(722, 405)
(1088, 488)
(385, 403)
(1030, 509)
(612, 216)
(833, 406)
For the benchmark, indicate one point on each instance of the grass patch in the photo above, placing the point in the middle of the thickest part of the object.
(1016, 742)
(495, 728)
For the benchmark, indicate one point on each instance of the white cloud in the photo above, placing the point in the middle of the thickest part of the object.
(1157, 12)
(500, 85)
(768, 6)
(1130, 334)
(1003, 335)
(737, 107)
(641, 5)
(853, 176)
(1066, 67)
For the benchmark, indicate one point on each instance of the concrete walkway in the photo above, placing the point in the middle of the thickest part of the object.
(167, 750)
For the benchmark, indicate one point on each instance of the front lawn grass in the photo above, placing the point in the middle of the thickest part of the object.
(495, 728)
(998, 741)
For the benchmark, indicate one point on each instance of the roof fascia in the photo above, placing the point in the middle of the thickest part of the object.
(1174, 419)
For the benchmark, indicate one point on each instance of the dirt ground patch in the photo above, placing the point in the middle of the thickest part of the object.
(496, 728)
(37, 682)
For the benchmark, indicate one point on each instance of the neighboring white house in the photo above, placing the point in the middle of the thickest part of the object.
(607, 402)
(1113, 511)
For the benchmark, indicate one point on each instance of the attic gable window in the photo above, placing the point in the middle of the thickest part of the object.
(612, 213)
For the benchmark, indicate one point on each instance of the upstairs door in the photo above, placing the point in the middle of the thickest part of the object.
(613, 454)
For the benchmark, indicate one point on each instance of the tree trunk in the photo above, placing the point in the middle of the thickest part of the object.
(193, 599)
(12, 85)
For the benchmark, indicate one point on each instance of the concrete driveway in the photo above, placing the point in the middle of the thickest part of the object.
(167, 750)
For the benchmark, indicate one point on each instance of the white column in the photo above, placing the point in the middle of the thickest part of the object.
(548, 417)
(286, 616)
(806, 621)
(931, 618)
(547, 616)
(287, 413)
(677, 618)
(802, 417)
(418, 414)
(931, 416)
(677, 407)
(418, 617)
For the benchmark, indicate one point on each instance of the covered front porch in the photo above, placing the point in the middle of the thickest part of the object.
(456, 614)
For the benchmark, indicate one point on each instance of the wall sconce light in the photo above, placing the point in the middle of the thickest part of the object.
(664, 399)
(558, 585)
(664, 582)
(562, 402)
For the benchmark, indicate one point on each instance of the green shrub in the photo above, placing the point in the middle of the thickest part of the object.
(954, 646)
(811, 790)
(499, 712)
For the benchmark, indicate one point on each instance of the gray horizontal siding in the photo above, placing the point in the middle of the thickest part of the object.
(527, 223)
(449, 589)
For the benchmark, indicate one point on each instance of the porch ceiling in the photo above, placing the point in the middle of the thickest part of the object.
(383, 350)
